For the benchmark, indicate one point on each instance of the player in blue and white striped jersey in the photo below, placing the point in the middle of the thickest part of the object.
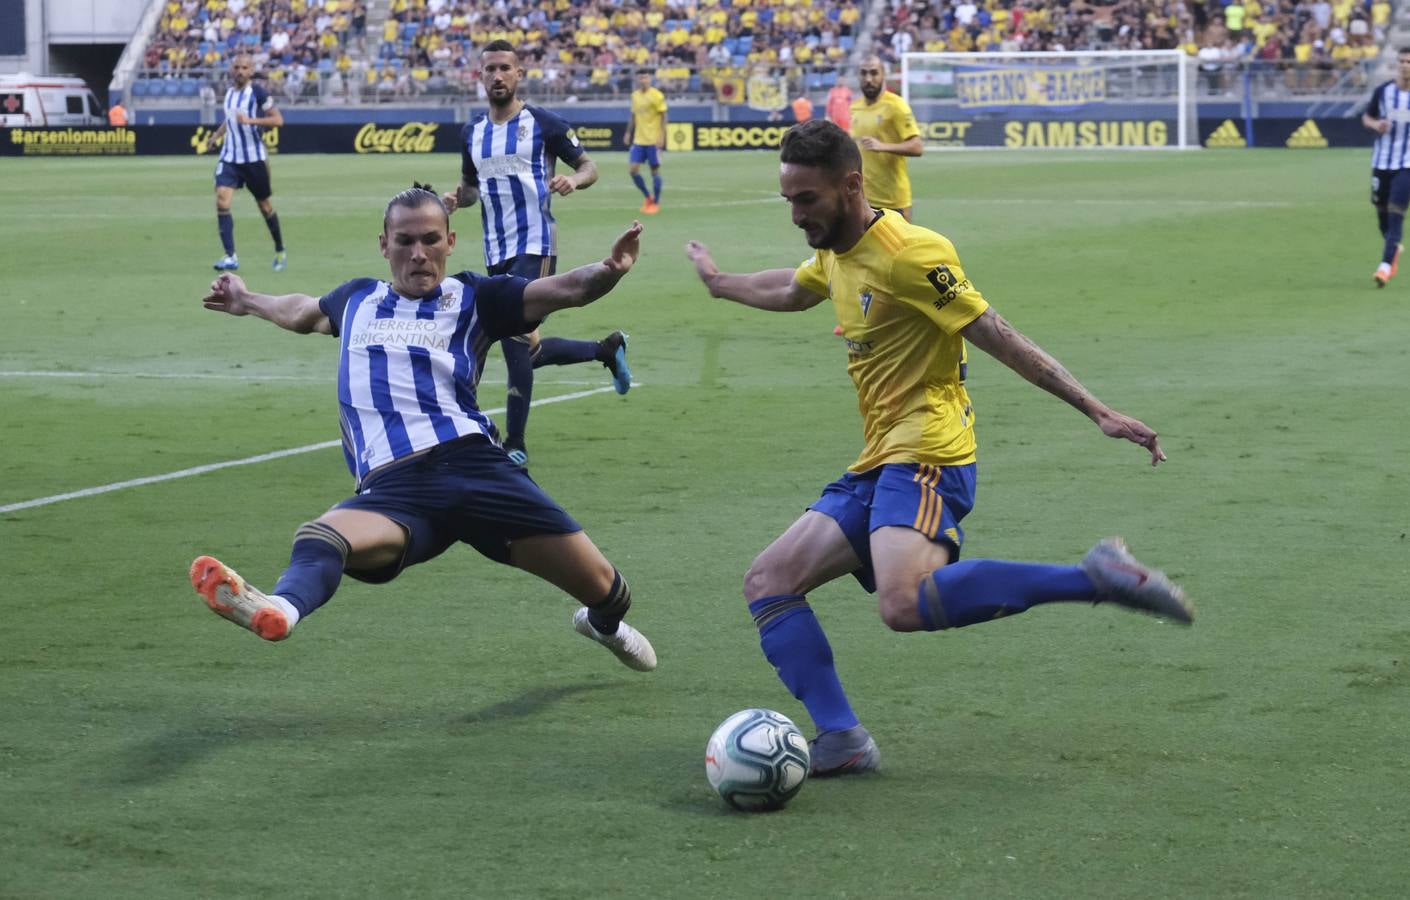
(430, 471)
(508, 157)
(1388, 115)
(243, 160)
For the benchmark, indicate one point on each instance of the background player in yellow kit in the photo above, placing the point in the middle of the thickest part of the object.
(886, 129)
(906, 308)
(646, 138)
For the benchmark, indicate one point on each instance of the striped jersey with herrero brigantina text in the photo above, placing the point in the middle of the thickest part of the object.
(409, 368)
(513, 163)
(1392, 149)
(244, 143)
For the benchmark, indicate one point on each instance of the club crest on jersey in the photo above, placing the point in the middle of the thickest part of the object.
(523, 132)
(865, 300)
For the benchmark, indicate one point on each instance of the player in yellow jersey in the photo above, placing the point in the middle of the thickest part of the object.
(905, 308)
(646, 136)
(886, 129)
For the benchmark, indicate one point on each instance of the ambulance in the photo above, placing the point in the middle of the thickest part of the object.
(35, 100)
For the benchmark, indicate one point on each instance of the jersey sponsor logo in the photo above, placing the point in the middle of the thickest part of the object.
(946, 285)
(1226, 136)
(400, 333)
(857, 348)
(1307, 136)
(413, 137)
(504, 166)
(1123, 133)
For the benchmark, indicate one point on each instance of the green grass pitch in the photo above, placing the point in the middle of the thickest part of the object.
(450, 736)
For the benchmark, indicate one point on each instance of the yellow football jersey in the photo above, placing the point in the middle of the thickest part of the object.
(648, 109)
(902, 298)
(889, 119)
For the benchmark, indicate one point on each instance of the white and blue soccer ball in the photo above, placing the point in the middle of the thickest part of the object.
(757, 760)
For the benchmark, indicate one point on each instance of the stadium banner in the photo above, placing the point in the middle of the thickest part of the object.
(1289, 133)
(187, 140)
(1012, 133)
(1056, 87)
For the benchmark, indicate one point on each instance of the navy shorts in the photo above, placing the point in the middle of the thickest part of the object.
(645, 153)
(1390, 187)
(526, 266)
(928, 499)
(464, 490)
(253, 176)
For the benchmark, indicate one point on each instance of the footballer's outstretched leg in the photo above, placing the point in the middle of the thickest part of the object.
(230, 597)
(849, 752)
(627, 644)
(1121, 579)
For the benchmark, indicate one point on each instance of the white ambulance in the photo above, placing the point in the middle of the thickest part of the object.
(33, 100)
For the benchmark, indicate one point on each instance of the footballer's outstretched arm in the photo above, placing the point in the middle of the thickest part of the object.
(996, 337)
(292, 312)
(583, 285)
(772, 289)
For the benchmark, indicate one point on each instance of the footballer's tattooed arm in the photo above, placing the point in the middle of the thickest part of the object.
(584, 176)
(996, 337)
(467, 194)
(583, 285)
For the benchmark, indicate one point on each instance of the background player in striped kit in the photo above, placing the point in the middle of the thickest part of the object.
(429, 473)
(506, 162)
(243, 160)
(1388, 115)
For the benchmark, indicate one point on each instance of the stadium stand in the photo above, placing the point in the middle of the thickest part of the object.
(332, 51)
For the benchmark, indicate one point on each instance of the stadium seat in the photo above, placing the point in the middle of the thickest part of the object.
(189, 87)
(139, 88)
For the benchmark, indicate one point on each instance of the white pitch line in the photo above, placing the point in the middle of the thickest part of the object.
(251, 460)
(186, 376)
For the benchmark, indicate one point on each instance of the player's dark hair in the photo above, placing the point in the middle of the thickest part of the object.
(820, 144)
(1402, 51)
(415, 196)
(498, 46)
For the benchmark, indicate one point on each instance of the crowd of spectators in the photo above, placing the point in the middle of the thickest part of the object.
(320, 48)
(1300, 42)
(302, 47)
(588, 46)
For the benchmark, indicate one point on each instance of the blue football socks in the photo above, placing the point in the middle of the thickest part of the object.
(977, 590)
(271, 221)
(226, 223)
(795, 644)
(521, 391)
(564, 352)
(641, 185)
(1395, 227)
(315, 567)
(656, 184)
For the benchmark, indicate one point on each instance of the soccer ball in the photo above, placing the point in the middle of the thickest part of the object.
(756, 760)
